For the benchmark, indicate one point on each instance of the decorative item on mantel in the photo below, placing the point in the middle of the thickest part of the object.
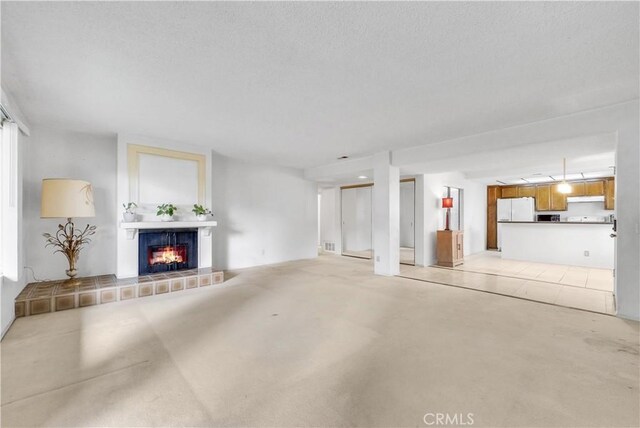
(129, 214)
(166, 211)
(201, 212)
(66, 198)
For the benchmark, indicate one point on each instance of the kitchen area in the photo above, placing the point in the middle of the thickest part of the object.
(558, 232)
(569, 223)
(549, 240)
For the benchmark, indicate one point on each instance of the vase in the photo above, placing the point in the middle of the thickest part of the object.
(202, 217)
(166, 217)
(129, 217)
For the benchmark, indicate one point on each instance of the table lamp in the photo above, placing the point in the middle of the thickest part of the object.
(65, 198)
(448, 204)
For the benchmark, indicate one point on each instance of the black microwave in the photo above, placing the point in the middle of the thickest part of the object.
(548, 217)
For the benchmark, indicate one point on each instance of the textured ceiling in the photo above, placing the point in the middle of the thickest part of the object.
(300, 84)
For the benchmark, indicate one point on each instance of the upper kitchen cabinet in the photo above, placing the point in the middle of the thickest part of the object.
(558, 199)
(609, 194)
(543, 197)
(509, 192)
(577, 189)
(594, 188)
(548, 198)
(526, 191)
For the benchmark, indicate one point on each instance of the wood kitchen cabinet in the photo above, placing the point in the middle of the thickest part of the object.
(594, 188)
(450, 248)
(609, 194)
(526, 191)
(548, 198)
(543, 197)
(577, 189)
(509, 192)
(558, 200)
(493, 193)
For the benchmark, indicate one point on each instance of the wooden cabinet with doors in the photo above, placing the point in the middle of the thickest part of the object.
(577, 189)
(543, 197)
(609, 194)
(509, 192)
(594, 188)
(450, 248)
(558, 199)
(548, 198)
(493, 193)
(527, 191)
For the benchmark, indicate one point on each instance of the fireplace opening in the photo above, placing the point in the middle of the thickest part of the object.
(167, 250)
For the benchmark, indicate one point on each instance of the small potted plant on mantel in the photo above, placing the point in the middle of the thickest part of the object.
(201, 212)
(129, 214)
(166, 211)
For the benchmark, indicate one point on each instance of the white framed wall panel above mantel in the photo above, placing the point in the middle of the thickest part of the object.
(158, 175)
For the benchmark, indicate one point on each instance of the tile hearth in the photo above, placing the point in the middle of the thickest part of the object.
(52, 296)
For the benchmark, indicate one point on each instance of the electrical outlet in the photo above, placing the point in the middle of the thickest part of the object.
(377, 258)
(586, 253)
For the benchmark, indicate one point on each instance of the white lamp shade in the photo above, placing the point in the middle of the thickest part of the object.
(65, 198)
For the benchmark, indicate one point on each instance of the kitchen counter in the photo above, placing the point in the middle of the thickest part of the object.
(560, 222)
(575, 243)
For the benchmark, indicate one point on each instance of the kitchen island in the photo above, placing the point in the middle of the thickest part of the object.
(568, 243)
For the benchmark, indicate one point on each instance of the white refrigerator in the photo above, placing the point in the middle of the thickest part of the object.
(514, 209)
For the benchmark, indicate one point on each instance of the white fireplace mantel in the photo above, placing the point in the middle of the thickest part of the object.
(133, 227)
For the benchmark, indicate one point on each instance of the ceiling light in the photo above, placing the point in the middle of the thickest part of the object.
(362, 177)
(564, 187)
(343, 157)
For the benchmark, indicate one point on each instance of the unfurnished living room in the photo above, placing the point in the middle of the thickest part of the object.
(320, 214)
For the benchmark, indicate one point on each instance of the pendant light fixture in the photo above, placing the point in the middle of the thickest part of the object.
(564, 187)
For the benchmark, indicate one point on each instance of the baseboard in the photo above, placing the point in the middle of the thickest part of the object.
(7, 329)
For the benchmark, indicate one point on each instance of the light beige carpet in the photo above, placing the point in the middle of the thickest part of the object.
(320, 343)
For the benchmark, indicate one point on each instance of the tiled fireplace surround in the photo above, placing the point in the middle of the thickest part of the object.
(52, 296)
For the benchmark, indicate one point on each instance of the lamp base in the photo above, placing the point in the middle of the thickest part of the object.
(69, 242)
(71, 283)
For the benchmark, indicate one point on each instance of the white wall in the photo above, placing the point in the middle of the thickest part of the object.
(62, 154)
(266, 214)
(474, 215)
(330, 231)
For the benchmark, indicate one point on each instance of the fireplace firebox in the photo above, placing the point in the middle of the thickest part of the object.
(166, 250)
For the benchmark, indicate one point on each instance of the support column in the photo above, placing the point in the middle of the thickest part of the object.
(386, 215)
(627, 279)
(421, 238)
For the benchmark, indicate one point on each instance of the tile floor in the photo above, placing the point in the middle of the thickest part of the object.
(575, 287)
(492, 262)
